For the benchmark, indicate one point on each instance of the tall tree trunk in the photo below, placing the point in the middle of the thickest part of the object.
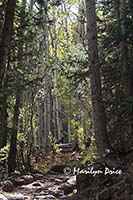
(57, 106)
(13, 141)
(123, 63)
(46, 113)
(30, 133)
(69, 117)
(57, 109)
(47, 86)
(126, 70)
(7, 33)
(3, 111)
(3, 122)
(124, 49)
(95, 79)
(66, 35)
(5, 45)
(81, 30)
(130, 137)
(64, 9)
(40, 122)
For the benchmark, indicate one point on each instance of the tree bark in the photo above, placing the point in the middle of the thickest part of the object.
(123, 61)
(99, 117)
(3, 122)
(125, 67)
(5, 45)
(69, 117)
(124, 49)
(47, 85)
(13, 141)
(57, 108)
(40, 122)
(7, 33)
(81, 30)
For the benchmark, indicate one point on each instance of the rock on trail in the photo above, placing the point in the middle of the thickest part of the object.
(37, 187)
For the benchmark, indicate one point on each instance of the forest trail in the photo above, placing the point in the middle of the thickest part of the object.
(66, 76)
(46, 187)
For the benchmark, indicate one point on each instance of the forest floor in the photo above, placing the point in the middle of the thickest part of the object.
(46, 187)
(48, 182)
(59, 184)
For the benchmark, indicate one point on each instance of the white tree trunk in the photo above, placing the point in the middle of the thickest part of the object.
(47, 87)
(40, 123)
(81, 28)
(56, 97)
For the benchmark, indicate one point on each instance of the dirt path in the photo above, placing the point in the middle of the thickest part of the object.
(47, 187)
